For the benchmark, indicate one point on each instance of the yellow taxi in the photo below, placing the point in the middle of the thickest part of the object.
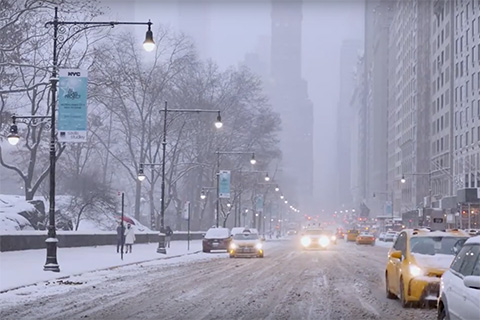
(417, 261)
(352, 235)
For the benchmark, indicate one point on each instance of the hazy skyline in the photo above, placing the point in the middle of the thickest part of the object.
(233, 29)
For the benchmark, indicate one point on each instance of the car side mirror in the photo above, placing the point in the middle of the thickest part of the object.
(396, 255)
(472, 282)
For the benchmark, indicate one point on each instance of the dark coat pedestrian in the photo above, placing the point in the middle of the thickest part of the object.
(168, 236)
(120, 236)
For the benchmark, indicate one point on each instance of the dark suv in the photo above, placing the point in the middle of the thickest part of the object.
(216, 239)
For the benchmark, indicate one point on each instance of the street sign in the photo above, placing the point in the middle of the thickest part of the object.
(259, 203)
(186, 210)
(72, 105)
(224, 184)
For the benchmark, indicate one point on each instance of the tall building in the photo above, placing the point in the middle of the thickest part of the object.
(375, 95)
(358, 136)
(465, 17)
(290, 98)
(349, 52)
(442, 103)
(409, 101)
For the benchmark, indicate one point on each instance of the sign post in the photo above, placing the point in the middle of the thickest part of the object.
(186, 216)
(72, 105)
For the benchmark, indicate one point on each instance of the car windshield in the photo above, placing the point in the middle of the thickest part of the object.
(245, 236)
(317, 232)
(436, 245)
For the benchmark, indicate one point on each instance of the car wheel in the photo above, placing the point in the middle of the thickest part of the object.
(387, 289)
(260, 255)
(205, 250)
(232, 256)
(442, 313)
(404, 302)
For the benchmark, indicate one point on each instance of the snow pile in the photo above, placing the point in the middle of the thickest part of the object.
(10, 207)
(17, 214)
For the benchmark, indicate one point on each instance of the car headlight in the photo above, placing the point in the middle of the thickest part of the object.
(415, 271)
(306, 241)
(323, 241)
(233, 246)
(334, 238)
(258, 246)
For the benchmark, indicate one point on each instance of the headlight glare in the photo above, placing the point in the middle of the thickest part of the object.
(258, 246)
(415, 271)
(233, 246)
(323, 241)
(306, 241)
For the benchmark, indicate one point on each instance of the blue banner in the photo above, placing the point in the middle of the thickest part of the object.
(259, 203)
(224, 184)
(72, 105)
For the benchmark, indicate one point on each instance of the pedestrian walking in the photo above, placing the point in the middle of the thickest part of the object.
(129, 238)
(120, 236)
(168, 236)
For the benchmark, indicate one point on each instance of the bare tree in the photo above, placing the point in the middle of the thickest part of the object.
(24, 72)
(131, 87)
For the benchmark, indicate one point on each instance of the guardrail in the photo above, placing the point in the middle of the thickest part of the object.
(36, 239)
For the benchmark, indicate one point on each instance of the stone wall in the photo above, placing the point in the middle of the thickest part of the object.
(13, 242)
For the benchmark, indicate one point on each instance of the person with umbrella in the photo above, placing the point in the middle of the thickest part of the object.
(129, 238)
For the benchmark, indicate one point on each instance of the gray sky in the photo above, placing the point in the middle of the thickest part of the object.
(233, 30)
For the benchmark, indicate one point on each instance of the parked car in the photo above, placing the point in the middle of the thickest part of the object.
(216, 239)
(381, 236)
(246, 244)
(365, 238)
(352, 235)
(460, 285)
(417, 260)
(390, 236)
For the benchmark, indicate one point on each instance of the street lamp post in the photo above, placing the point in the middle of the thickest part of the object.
(218, 153)
(218, 125)
(51, 263)
(141, 177)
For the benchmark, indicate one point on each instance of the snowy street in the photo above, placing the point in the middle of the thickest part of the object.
(345, 282)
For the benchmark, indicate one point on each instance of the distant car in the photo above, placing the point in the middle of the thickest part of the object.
(416, 262)
(472, 232)
(340, 234)
(291, 232)
(352, 235)
(381, 236)
(216, 239)
(365, 238)
(391, 236)
(317, 239)
(246, 244)
(460, 285)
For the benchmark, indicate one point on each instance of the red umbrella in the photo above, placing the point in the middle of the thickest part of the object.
(128, 220)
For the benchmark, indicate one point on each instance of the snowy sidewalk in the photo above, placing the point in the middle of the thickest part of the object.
(20, 268)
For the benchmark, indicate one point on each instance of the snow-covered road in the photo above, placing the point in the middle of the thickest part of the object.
(343, 283)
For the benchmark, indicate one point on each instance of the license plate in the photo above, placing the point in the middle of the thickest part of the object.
(215, 244)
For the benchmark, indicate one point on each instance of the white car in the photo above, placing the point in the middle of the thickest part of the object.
(246, 244)
(460, 285)
(390, 236)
